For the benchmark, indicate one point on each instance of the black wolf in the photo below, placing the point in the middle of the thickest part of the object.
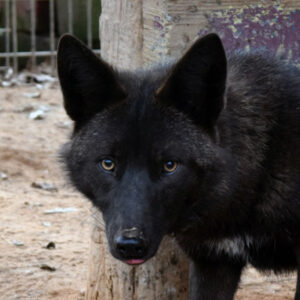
(207, 149)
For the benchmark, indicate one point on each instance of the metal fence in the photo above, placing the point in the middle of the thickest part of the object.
(10, 31)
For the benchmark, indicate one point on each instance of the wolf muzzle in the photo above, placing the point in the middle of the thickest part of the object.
(131, 246)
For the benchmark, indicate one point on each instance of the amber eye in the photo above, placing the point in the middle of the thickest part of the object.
(107, 164)
(170, 166)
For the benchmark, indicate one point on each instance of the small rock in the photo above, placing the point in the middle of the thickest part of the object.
(37, 115)
(50, 245)
(3, 176)
(46, 224)
(44, 186)
(45, 108)
(47, 268)
(32, 95)
(9, 74)
(41, 78)
(39, 86)
(7, 83)
(66, 124)
(60, 210)
(18, 243)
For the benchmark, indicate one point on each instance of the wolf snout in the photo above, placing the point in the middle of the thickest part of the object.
(131, 246)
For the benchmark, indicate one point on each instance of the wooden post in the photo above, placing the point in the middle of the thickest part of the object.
(165, 276)
(134, 33)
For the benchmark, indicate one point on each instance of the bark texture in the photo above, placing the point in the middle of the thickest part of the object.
(164, 277)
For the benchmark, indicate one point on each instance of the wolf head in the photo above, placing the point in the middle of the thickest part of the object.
(144, 148)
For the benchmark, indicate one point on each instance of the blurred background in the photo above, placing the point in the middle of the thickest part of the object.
(29, 30)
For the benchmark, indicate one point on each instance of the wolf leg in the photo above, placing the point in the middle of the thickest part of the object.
(214, 280)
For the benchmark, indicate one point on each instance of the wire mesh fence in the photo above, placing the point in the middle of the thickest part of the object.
(55, 17)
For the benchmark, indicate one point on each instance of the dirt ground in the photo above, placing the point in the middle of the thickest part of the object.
(28, 155)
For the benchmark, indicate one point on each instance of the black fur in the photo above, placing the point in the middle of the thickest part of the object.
(232, 125)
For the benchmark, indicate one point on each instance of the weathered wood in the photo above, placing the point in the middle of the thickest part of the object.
(121, 33)
(134, 33)
(163, 277)
(169, 26)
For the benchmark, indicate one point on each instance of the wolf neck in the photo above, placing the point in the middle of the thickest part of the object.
(244, 131)
(245, 123)
(251, 130)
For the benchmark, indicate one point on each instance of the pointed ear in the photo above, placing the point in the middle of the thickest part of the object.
(88, 83)
(196, 84)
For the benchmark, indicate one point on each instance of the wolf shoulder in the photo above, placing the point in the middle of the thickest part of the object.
(263, 94)
(259, 76)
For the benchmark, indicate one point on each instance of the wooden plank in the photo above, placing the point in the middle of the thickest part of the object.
(171, 26)
(121, 33)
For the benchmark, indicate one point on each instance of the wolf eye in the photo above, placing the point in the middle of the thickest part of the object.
(170, 166)
(107, 164)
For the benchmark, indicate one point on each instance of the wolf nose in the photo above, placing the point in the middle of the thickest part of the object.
(130, 248)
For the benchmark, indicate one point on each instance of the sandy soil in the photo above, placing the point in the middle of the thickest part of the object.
(28, 154)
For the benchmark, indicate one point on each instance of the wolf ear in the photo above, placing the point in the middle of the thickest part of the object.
(196, 84)
(88, 83)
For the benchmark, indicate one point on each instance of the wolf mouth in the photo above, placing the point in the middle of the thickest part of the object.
(135, 261)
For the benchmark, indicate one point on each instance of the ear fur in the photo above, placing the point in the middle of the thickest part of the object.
(88, 83)
(196, 84)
